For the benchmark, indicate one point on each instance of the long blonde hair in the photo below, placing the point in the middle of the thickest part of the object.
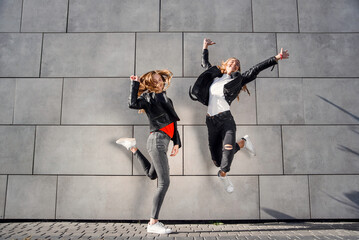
(147, 83)
(223, 71)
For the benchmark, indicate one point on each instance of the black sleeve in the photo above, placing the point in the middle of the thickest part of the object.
(205, 62)
(133, 101)
(252, 73)
(176, 138)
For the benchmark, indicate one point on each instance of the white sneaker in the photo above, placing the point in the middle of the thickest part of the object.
(249, 145)
(158, 228)
(128, 143)
(228, 185)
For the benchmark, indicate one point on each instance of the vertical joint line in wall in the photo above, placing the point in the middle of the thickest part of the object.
(252, 16)
(310, 205)
(62, 99)
(68, 13)
(281, 139)
(22, 10)
(259, 198)
(132, 157)
(57, 189)
(6, 187)
(135, 60)
(42, 48)
(183, 143)
(298, 15)
(276, 51)
(256, 100)
(182, 54)
(33, 154)
(159, 21)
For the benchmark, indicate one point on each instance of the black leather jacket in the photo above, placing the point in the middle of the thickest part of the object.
(158, 107)
(200, 90)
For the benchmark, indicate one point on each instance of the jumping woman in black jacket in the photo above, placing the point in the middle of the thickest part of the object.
(216, 88)
(148, 94)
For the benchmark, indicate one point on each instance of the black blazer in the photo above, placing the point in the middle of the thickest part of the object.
(158, 107)
(200, 90)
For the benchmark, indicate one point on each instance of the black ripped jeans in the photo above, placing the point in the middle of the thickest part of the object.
(222, 139)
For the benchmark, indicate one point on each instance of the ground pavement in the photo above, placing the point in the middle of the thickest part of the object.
(183, 231)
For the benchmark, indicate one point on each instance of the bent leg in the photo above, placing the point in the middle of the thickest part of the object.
(146, 165)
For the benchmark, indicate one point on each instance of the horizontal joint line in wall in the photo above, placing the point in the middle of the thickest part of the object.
(194, 125)
(199, 32)
(185, 175)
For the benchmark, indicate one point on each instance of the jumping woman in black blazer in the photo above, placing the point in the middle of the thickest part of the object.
(148, 94)
(216, 88)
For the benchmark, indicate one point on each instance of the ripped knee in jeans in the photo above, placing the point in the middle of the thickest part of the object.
(228, 147)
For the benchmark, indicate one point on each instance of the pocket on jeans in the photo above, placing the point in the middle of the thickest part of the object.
(161, 147)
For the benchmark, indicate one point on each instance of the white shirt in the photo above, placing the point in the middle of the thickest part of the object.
(217, 103)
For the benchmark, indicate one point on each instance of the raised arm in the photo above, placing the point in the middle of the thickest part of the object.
(205, 62)
(135, 102)
(252, 73)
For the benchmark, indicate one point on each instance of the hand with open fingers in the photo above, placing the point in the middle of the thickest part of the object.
(174, 150)
(207, 42)
(134, 78)
(282, 55)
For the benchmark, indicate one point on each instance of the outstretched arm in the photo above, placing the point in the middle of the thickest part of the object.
(205, 62)
(252, 73)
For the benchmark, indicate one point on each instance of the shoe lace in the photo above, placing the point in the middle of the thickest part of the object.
(161, 224)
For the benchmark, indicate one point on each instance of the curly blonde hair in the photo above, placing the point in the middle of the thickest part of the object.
(147, 83)
(223, 71)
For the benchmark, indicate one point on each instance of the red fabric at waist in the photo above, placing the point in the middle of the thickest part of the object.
(169, 130)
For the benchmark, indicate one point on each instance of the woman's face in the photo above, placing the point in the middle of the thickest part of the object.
(158, 81)
(232, 66)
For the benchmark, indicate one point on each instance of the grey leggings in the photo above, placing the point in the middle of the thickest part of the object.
(157, 146)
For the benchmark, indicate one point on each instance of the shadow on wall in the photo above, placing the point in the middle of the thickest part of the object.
(340, 108)
(277, 214)
(341, 147)
(352, 200)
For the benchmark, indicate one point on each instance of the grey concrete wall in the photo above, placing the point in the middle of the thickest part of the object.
(64, 68)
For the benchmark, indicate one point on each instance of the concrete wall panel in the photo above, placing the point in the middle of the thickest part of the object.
(334, 196)
(44, 16)
(88, 55)
(31, 197)
(114, 16)
(204, 197)
(328, 15)
(159, 51)
(10, 15)
(316, 55)
(81, 150)
(193, 112)
(331, 101)
(3, 184)
(204, 15)
(16, 149)
(38, 101)
(275, 16)
(116, 198)
(249, 48)
(20, 54)
(280, 101)
(175, 163)
(321, 149)
(284, 197)
(7, 99)
(98, 101)
(198, 161)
